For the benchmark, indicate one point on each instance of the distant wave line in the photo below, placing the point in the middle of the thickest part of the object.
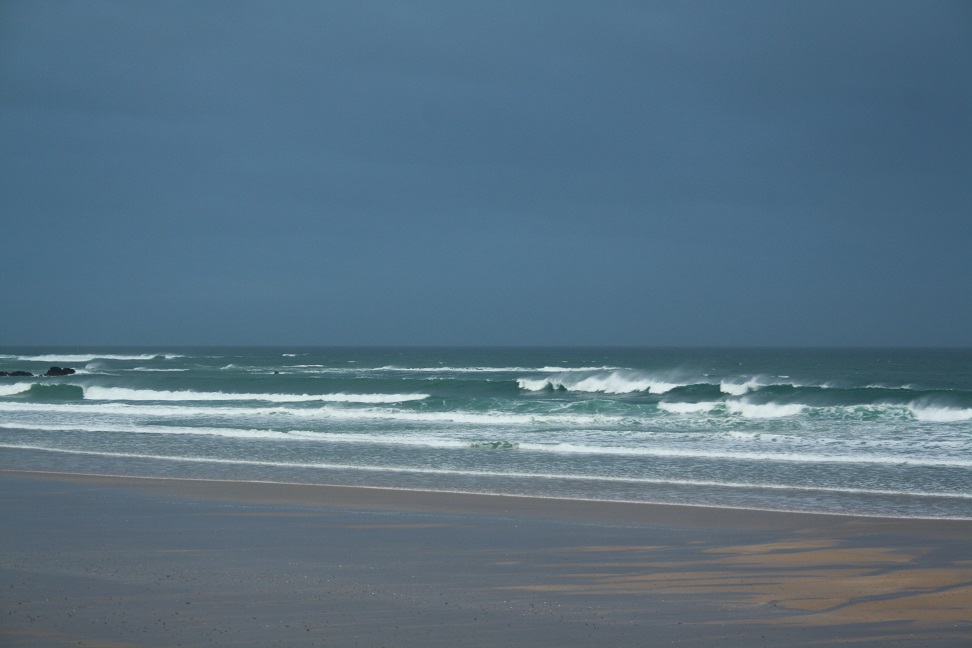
(124, 393)
(88, 357)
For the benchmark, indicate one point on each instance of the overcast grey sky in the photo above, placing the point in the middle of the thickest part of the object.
(549, 173)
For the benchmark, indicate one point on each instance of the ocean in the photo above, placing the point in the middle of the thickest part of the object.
(881, 432)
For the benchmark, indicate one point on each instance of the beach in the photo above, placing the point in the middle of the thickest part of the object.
(119, 561)
(876, 432)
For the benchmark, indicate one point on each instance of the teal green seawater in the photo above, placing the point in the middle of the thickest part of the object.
(859, 431)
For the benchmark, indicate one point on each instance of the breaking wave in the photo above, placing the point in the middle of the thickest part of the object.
(445, 369)
(763, 410)
(620, 381)
(735, 388)
(16, 388)
(940, 414)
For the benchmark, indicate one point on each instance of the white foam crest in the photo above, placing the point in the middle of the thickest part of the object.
(938, 414)
(763, 410)
(613, 382)
(151, 429)
(759, 437)
(16, 388)
(533, 384)
(688, 408)
(325, 412)
(124, 393)
(569, 369)
(445, 369)
(462, 417)
(86, 357)
(128, 410)
(248, 433)
(152, 369)
(781, 456)
(734, 388)
(890, 386)
(433, 417)
(324, 369)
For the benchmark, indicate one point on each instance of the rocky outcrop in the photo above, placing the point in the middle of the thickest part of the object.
(59, 371)
(53, 371)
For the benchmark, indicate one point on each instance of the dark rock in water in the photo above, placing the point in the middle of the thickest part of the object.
(59, 371)
(16, 373)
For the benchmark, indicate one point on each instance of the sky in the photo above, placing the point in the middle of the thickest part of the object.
(486, 173)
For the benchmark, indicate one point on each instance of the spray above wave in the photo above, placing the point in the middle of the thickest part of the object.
(737, 388)
(939, 414)
(126, 394)
(621, 381)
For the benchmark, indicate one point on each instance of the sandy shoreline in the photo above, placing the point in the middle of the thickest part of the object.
(117, 561)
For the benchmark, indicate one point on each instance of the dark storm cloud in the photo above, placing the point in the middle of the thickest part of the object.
(563, 173)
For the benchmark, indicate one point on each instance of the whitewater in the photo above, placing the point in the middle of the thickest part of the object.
(884, 432)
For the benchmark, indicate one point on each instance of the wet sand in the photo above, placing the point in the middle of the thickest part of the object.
(115, 562)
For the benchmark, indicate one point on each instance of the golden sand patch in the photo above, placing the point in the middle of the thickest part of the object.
(874, 556)
(771, 547)
(818, 582)
(948, 606)
(614, 565)
(573, 589)
(814, 604)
